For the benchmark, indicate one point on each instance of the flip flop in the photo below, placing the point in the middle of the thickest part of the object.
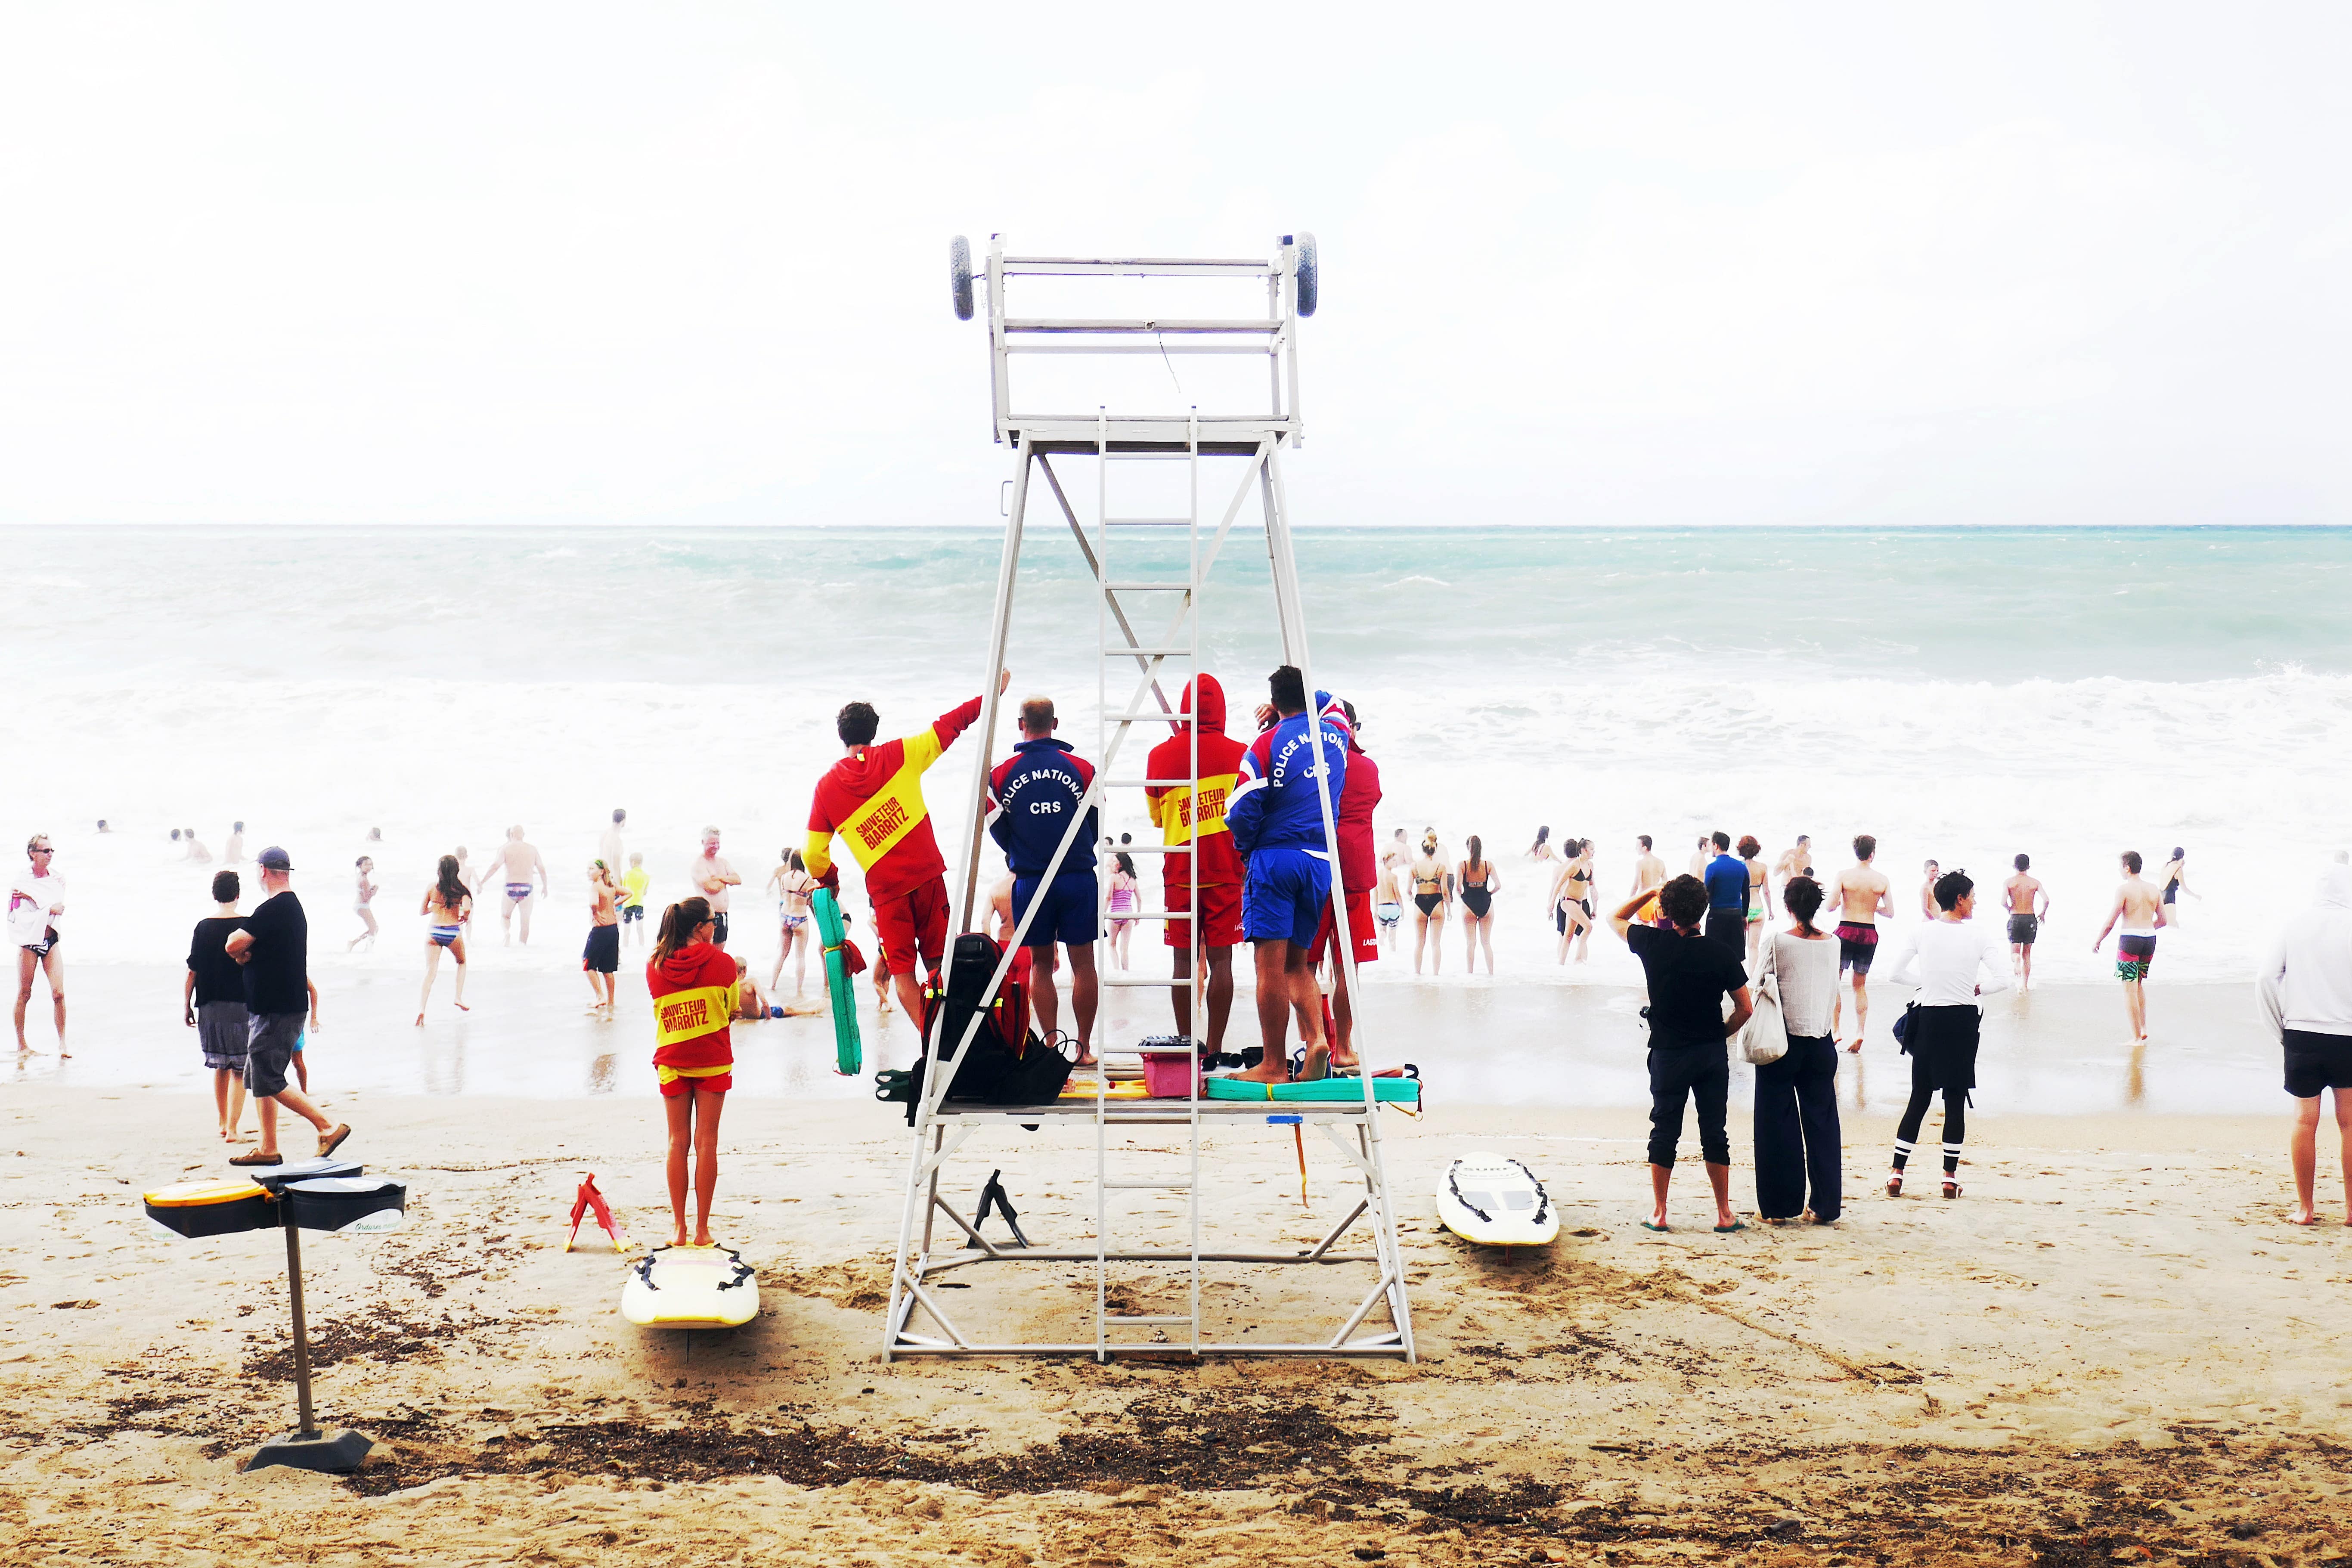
(331, 1142)
(1728, 1229)
(1660, 1228)
(255, 1157)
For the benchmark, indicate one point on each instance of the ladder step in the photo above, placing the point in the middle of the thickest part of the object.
(1149, 587)
(1184, 652)
(1146, 523)
(1165, 1319)
(1145, 716)
(1149, 1184)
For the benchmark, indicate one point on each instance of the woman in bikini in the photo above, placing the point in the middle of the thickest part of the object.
(793, 885)
(1541, 848)
(2175, 877)
(1571, 898)
(1123, 906)
(1479, 885)
(1431, 887)
(1759, 895)
(362, 896)
(445, 908)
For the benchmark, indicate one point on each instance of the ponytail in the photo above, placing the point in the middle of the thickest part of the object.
(678, 926)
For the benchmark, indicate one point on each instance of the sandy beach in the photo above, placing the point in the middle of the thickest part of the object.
(2112, 1348)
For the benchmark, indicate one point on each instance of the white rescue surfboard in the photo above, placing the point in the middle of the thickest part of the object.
(1494, 1200)
(690, 1288)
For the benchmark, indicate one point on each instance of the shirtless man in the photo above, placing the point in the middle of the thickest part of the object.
(518, 863)
(1649, 876)
(711, 877)
(1862, 897)
(2028, 906)
(609, 849)
(2139, 905)
(1928, 891)
(1797, 860)
(1701, 854)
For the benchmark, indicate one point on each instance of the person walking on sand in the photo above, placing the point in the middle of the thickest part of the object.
(526, 877)
(1290, 776)
(1432, 892)
(1479, 882)
(362, 903)
(1760, 893)
(1864, 895)
(1726, 897)
(212, 1002)
(1688, 974)
(1036, 797)
(1796, 1120)
(633, 905)
(2140, 907)
(873, 797)
(445, 908)
(1952, 963)
(792, 885)
(1199, 852)
(2305, 991)
(711, 877)
(274, 946)
(2028, 906)
(692, 982)
(601, 958)
(2175, 879)
(36, 902)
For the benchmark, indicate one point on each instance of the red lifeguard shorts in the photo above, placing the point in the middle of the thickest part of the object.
(913, 922)
(1221, 915)
(679, 1088)
(1360, 929)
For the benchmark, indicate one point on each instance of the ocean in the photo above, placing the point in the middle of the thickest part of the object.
(1962, 694)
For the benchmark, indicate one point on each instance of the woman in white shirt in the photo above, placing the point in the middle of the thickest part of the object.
(1796, 1138)
(1953, 964)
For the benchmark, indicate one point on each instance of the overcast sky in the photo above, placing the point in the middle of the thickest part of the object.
(1584, 264)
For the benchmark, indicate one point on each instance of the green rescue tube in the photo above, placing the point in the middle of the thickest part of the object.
(833, 934)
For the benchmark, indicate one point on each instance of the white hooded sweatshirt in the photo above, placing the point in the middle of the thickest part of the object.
(2306, 983)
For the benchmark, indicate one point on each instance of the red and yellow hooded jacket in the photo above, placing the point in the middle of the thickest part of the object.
(1200, 822)
(873, 799)
(694, 998)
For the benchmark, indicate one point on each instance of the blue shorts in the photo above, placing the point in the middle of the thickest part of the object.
(1066, 913)
(1283, 896)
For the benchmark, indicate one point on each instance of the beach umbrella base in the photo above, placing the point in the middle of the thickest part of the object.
(335, 1453)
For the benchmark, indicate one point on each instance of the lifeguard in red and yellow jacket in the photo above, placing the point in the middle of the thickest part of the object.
(873, 797)
(1190, 825)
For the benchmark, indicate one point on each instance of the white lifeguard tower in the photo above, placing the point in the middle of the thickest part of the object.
(1148, 645)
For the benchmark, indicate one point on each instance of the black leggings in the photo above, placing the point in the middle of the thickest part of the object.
(1956, 1124)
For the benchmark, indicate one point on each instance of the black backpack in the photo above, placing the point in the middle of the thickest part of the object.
(1007, 1064)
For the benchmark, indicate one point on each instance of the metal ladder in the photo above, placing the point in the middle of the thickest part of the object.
(1113, 727)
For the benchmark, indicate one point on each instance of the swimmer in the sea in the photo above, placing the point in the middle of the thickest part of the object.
(446, 906)
(362, 903)
(2173, 879)
(1479, 882)
(1541, 848)
(526, 877)
(2028, 906)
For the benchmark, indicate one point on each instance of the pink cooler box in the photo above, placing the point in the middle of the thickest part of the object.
(1165, 1074)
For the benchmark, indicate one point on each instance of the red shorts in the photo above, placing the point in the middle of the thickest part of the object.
(1221, 915)
(1360, 929)
(912, 920)
(679, 1088)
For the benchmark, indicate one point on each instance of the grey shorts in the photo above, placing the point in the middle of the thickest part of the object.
(222, 1034)
(269, 1053)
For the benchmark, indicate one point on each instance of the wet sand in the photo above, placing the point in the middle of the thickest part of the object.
(1536, 1041)
(2112, 1348)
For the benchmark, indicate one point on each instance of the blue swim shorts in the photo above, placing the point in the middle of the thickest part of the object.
(1283, 896)
(1065, 914)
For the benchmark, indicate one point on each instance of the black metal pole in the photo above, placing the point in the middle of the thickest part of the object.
(305, 1426)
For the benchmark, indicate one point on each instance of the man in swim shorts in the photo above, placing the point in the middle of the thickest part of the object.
(36, 902)
(632, 906)
(2140, 907)
(1034, 796)
(1191, 817)
(873, 797)
(1649, 876)
(2028, 906)
(2305, 987)
(1354, 824)
(526, 877)
(1726, 896)
(711, 877)
(1862, 897)
(1275, 817)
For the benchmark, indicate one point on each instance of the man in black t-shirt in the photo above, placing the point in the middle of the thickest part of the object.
(212, 1002)
(1689, 977)
(275, 948)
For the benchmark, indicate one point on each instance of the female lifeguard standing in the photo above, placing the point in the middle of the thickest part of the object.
(693, 987)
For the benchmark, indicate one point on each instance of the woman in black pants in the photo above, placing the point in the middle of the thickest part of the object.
(1953, 964)
(1796, 1097)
